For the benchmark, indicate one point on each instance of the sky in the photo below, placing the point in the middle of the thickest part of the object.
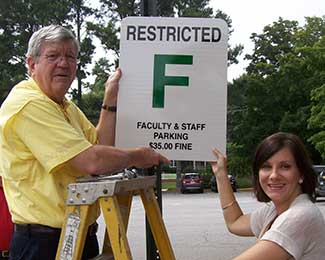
(252, 16)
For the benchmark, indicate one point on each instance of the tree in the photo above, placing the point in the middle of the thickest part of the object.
(275, 41)
(316, 122)
(274, 95)
(193, 8)
(18, 20)
(79, 12)
(92, 101)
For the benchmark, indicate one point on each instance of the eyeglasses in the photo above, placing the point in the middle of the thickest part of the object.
(56, 58)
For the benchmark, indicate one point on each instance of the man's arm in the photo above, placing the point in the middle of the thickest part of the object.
(102, 159)
(107, 119)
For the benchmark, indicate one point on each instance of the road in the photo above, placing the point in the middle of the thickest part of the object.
(195, 226)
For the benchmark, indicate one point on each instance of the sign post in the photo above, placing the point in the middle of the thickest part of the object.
(149, 8)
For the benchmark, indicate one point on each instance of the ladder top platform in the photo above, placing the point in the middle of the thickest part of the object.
(88, 189)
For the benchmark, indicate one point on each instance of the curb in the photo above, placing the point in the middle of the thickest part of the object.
(241, 189)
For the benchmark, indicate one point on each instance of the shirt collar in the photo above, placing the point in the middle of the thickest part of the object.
(65, 104)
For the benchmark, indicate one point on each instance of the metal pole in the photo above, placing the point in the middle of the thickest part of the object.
(149, 8)
(152, 251)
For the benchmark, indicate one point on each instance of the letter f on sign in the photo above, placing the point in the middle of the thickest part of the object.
(160, 80)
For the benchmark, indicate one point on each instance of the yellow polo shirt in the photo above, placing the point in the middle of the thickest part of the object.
(37, 138)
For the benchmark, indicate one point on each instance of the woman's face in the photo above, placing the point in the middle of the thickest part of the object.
(279, 178)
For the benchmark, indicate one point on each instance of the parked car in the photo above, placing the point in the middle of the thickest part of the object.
(192, 182)
(214, 187)
(320, 180)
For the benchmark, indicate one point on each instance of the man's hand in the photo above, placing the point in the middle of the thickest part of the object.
(146, 157)
(101, 159)
(111, 88)
(107, 119)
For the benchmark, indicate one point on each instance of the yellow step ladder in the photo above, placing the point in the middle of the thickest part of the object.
(114, 196)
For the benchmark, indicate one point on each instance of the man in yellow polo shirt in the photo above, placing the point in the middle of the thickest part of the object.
(46, 142)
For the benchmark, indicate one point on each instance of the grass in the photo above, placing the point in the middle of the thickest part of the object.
(168, 185)
(242, 182)
(168, 176)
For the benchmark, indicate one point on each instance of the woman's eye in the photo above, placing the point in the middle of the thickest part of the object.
(266, 167)
(286, 166)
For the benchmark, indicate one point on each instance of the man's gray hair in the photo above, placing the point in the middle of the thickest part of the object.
(51, 33)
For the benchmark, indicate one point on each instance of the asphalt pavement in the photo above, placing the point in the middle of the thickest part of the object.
(195, 226)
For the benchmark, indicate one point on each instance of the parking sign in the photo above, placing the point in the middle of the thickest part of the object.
(173, 91)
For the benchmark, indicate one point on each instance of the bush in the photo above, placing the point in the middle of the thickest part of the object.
(244, 182)
(167, 168)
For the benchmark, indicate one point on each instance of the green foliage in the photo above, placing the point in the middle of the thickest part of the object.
(18, 20)
(238, 165)
(244, 182)
(167, 168)
(317, 119)
(206, 179)
(193, 8)
(275, 41)
(165, 8)
(78, 15)
(94, 98)
(189, 168)
(91, 105)
(286, 69)
(235, 51)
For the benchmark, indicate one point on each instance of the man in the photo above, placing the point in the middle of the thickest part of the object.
(6, 226)
(47, 142)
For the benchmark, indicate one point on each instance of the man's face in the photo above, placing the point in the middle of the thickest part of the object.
(55, 69)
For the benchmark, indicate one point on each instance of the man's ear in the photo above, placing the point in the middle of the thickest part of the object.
(31, 64)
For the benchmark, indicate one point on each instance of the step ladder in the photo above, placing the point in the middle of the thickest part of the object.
(114, 195)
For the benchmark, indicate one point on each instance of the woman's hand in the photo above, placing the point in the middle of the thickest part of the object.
(237, 223)
(220, 165)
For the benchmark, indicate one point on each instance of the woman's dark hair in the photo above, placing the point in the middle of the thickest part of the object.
(271, 145)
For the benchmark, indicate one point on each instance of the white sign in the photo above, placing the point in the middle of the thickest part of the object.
(173, 90)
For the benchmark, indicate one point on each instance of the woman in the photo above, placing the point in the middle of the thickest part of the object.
(289, 225)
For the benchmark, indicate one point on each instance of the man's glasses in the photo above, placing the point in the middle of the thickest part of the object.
(55, 58)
